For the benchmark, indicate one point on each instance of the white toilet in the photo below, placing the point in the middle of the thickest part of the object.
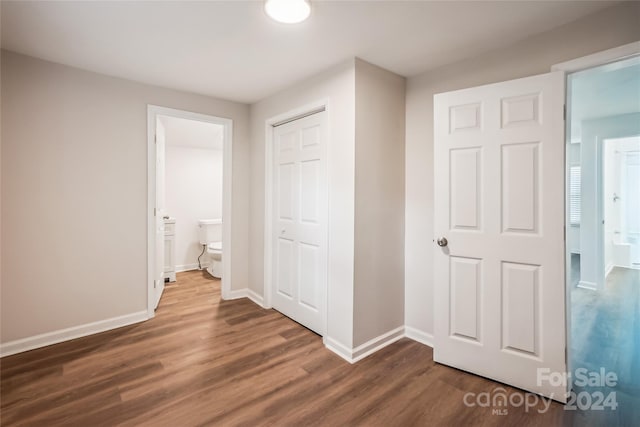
(210, 234)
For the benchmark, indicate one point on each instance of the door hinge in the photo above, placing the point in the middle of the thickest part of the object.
(155, 282)
(155, 139)
(155, 212)
(564, 112)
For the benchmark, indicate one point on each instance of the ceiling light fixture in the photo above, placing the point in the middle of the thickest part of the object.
(288, 11)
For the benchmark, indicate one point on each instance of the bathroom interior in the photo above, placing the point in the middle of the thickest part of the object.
(603, 223)
(193, 165)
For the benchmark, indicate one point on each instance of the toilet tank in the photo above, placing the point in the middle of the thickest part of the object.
(210, 230)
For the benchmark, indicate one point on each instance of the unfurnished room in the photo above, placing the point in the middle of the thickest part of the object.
(314, 212)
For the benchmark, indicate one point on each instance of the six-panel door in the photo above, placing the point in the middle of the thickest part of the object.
(300, 220)
(499, 201)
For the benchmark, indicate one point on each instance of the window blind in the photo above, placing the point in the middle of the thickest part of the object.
(574, 195)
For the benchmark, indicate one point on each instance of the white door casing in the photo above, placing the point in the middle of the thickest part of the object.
(153, 186)
(499, 201)
(299, 229)
(158, 277)
(571, 66)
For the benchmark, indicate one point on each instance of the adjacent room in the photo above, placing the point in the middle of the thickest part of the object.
(310, 212)
(603, 199)
(191, 187)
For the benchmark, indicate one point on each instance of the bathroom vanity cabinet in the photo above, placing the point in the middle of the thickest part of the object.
(170, 249)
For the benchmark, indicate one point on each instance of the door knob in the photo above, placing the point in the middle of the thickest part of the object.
(442, 241)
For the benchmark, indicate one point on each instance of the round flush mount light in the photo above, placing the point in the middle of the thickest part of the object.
(288, 11)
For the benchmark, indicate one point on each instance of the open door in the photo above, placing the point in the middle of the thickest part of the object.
(499, 223)
(158, 278)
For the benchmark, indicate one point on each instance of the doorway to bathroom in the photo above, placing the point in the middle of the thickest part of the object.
(189, 184)
(603, 232)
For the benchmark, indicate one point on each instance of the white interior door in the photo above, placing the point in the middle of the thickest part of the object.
(300, 220)
(499, 201)
(158, 279)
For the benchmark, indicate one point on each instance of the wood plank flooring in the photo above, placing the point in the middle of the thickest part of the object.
(202, 361)
(606, 334)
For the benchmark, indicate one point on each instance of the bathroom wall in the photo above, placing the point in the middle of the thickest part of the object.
(74, 196)
(609, 28)
(193, 183)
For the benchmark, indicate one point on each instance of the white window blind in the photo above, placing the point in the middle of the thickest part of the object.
(574, 195)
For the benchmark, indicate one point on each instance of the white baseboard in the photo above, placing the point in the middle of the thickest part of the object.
(237, 293)
(375, 344)
(419, 336)
(255, 297)
(190, 267)
(339, 349)
(246, 293)
(364, 350)
(608, 269)
(587, 285)
(55, 337)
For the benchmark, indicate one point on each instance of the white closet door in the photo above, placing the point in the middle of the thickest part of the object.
(499, 201)
(300, 221)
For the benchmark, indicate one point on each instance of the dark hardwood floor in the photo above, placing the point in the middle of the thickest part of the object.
(605, 330)
(202, 361)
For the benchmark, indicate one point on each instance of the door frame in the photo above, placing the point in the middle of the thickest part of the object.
(578, 64)
(616, 128)
(291, 115)
(599, 58)
(153, 111)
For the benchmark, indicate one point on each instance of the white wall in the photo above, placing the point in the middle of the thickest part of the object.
(611, 172)
(338, 86)
(366, 196)
(612, 27)
(74, 178)
(619, 180)
(379, 202)
(74, 193)
(592, 239)
(193, 191)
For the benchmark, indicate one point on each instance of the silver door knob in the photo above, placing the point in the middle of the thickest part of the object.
(442, 241)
